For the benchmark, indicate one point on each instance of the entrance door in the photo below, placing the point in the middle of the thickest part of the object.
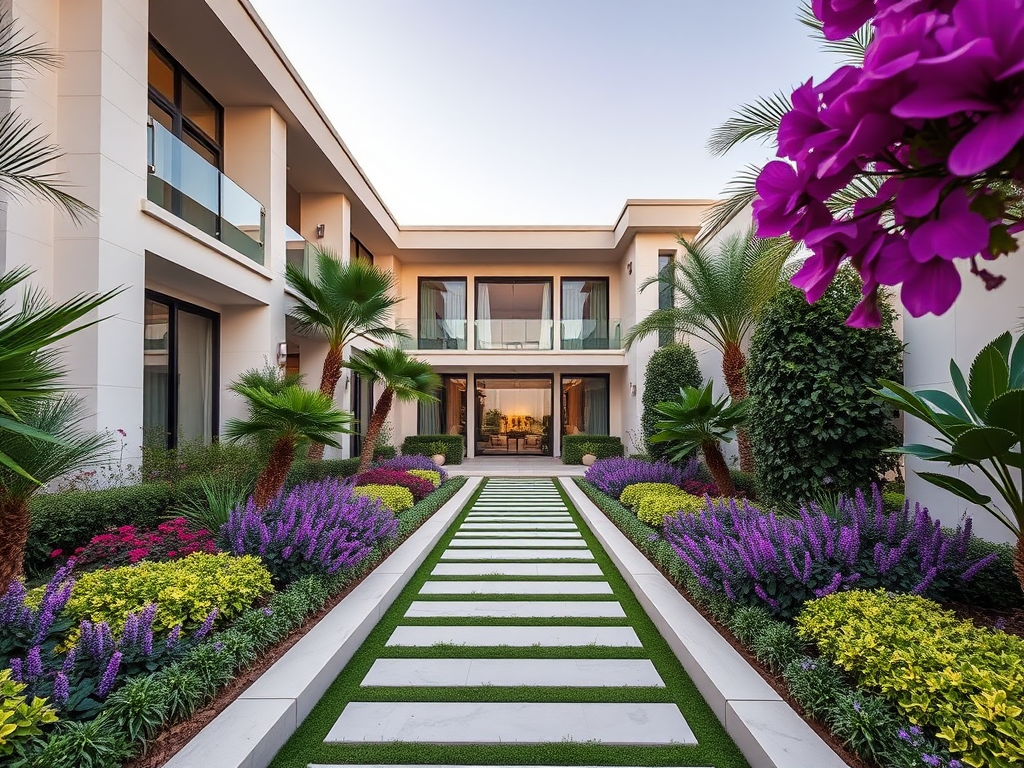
(513, 415)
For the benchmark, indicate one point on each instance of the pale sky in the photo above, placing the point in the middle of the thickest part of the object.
(540, 111)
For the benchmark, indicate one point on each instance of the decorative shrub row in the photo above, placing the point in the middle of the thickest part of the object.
(612, 475)
(316, 528)
(394, 497)
(127, 545)
(312, 471)
(604, 447)
(758, 558)
(654, 502)
(422, 445)
(434, 478)
(417, 486)
(407, 462)
(966, 682)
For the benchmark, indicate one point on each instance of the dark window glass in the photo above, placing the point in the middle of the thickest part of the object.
(200, 109)
(161, 75)
(180, 104)
(666, 296)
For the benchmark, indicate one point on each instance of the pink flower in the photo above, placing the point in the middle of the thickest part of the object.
(57, 553)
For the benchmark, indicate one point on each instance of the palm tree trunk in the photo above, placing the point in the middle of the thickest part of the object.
(1018, 560)
(328, 384)
(733, 364)
(14, 522)
(716, 465)
(271, 479)
(380, 412)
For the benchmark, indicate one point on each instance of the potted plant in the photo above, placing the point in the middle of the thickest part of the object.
(438, 448)
(589, 453)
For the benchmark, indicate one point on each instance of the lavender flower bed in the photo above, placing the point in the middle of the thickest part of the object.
(758, 558)
(317, 528)
(412, 461)
(612, 475)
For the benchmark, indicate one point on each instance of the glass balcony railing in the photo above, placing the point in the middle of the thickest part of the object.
(298, 251)
(514, 334)
(182, 182)
(434, 334)
(591, 334)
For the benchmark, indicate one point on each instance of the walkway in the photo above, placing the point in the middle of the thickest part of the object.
(515, 466)
(516, 643)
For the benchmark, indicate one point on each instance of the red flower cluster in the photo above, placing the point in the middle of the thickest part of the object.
(127, 544)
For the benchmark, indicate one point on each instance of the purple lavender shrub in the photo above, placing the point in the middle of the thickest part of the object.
(612, 475)
(23, 626)
(316, 528)
(762, 559)
(411, 461)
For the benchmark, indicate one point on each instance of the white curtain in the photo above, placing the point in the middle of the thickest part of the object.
(483, 316)
(545, 314)
(596, 405)
(455, 313)
(428, 331)
(573, 299)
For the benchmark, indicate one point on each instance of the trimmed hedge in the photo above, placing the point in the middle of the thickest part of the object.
(454, 446)
(606, 447)
(669, 368)
(312, 471)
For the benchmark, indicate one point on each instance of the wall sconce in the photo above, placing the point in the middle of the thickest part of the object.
(629, 267)
(632, 389)
(320, 230)
(282, 354)
(346, 383)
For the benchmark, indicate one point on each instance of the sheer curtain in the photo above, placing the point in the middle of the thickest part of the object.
(546, 323)
(429, 333)
(483, 316)
(596, 416)
(455, 314)
(598, 314)
(430, 418)
(573, 299)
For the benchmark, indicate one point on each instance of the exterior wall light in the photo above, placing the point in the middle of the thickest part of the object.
(282, 354)
(632, 389)
(321, 229)
(629, 267)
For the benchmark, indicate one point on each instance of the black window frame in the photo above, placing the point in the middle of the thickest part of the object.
(175, 305)
(561, 307)
(419, 314)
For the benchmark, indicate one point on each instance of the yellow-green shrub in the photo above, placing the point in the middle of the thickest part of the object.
(943, 672)
(653, 507)
(20, 719)
(427, 474)
(632, 494)
(394, 497)
(184, 591)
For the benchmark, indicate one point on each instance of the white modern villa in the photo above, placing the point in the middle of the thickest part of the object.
(212, 166)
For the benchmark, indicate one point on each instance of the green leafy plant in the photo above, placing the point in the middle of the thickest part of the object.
(434, 478)
(696, 421)
(941, 671)
(981, 427)
(669, 368)
(815, 421)
(139, 707)
(424, 445)
(590, 449)
(653, 501)
(604, 447)
(816, 684)
(394, 497)
(220, 496)
(438, 448)
(776, 644)
(185, 591)
(20, 719)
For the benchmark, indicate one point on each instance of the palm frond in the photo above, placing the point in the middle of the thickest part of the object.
(841, 203)
(21, 53)
(23, 153)
(409, 378)
(293, 412)
(849, 50)
(738, 195)
(759, 120)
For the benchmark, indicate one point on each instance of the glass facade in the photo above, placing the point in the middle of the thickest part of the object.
(514, 313)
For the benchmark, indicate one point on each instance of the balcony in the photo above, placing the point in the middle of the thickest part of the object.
(513, 335)
(516, 335)
(591, 334)
(186, 185)
(434, 334)
(298, 251)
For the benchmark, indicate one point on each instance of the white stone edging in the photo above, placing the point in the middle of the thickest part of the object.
(769, 732)
(254, 727)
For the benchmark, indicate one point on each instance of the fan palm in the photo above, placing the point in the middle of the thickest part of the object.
(343, 302)
(696, 420)
(66, 448)
(288, 417)
(404, 378)
(719, 296)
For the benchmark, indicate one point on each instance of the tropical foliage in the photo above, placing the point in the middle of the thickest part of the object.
(669, 368)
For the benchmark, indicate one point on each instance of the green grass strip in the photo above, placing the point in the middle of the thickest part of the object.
(714, 746)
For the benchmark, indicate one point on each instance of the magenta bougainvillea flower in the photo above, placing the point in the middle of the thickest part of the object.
(936, 113)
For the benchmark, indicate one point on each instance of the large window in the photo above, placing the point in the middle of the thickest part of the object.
(585, 407)
(513, 415)
(357, 251)
(447, 414)
(513, 313)
(180, 376)
(585, 313)
(442, 313)
(666, 295)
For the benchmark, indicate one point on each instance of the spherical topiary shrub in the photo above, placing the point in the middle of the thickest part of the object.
(670, 367)
(814, 424)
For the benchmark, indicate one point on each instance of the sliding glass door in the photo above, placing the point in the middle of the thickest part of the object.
(513, 313)
(585, 406)
(513, 415)
(447, 414)
(180, 372)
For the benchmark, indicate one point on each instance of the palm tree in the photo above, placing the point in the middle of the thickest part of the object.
(288, 417)
(404, 378)
(64, 448)
(719, 296)
(343, 302)
(695, 420)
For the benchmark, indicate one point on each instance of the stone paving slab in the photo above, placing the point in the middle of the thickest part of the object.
(532, 526)
(519, 519)
(499, 534)
(500, 723)
(571, 673)
(518, 554)
(516, 588)
(540, 609)
(518, 637)
(526, 542)
(516, 569)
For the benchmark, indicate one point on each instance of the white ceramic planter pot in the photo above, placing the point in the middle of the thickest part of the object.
(438, 459)
(588, 459)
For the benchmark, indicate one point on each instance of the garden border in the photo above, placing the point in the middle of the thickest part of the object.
(769, 732)
(254, 727)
